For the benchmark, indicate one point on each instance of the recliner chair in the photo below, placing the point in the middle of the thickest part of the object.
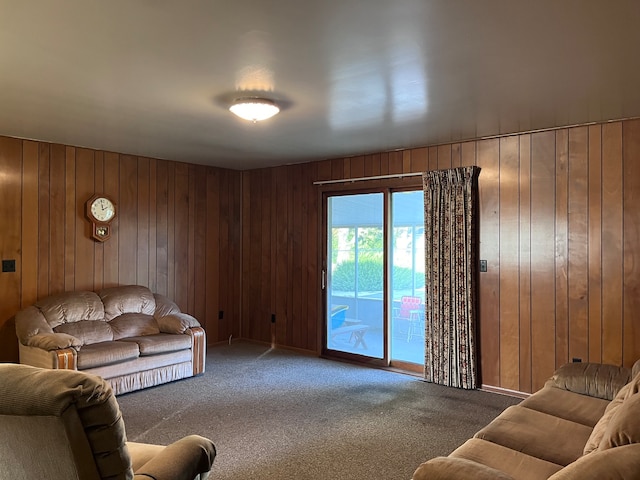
(67, 424)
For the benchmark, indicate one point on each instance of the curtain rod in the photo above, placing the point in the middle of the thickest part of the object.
(359, 179)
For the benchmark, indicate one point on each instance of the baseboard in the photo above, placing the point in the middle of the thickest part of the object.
(272, 345)
(504, 391)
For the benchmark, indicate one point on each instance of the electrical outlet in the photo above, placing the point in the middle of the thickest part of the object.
(8, 265)
(273, 318)
(576, 360)
(483, 265)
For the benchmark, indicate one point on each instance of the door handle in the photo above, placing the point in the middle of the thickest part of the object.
(324, 275)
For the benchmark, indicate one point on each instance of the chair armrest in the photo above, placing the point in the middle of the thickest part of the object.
(182, 460)
(453, 468)
(53, 341)
(176, 323)
(592, 379)
(619, 463)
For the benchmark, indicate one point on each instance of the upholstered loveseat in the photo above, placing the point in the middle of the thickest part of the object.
(584, 424)
(127, 335)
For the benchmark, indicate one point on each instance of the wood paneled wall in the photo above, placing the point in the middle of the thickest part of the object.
(176, 231)
(559, 227)
(280, 255)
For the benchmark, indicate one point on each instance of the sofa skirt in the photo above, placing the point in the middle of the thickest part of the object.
(149, 378)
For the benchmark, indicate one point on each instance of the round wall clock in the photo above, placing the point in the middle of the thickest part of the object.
(101, 210)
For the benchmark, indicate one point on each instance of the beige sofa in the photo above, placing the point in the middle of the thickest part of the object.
(584, 424)
(126, 335)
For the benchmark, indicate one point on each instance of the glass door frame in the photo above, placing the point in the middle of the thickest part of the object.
(326, 351)
(387, 191)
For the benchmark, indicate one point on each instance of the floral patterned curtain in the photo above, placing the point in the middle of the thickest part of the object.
(450, 206)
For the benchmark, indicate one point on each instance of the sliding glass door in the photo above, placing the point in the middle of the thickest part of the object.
(355, 287)
(406, 291)
(374, 276)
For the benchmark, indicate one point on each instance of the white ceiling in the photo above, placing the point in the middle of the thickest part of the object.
(155, 77)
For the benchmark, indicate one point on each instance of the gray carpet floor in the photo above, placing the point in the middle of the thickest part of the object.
(277, 414)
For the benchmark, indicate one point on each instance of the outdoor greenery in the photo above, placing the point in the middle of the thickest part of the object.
(370, 278)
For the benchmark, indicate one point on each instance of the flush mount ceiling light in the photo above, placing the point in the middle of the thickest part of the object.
(254, 109)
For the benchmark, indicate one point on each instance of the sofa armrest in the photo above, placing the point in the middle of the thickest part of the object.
(619, 463)
(53, 341)
(176, 323)
(182, 460)
(592, 379)
(453, 468)
(30, 322)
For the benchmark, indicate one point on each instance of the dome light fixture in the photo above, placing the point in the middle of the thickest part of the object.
(254, 109)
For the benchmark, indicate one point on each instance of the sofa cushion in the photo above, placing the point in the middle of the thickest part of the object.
(70, 307)
(87, 331)
(624, 426)
(537, 434)
(133, 325)
(105, 353)
(164, 306)
(621, 463)
(444, 468)
(597, 434)
(593, 379)
(160, 343)
(127, 299)
(517, 464)
(571, 406)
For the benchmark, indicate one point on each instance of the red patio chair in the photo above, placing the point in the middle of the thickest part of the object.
(411, 309)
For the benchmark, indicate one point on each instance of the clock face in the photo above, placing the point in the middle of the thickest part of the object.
(102, 209)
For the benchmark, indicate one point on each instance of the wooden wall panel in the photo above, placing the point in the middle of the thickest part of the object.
(44, 197)
(594, 208)
(212, 259)
(98, 248)
(488, 159)
(128, 220)
(70, 213)
(84, 245)
(168, 224)
(200, 243)
(29, 223)
(543, 256)
(524, 264)
(10, 242)
(56, 220)
(561, 245)
(578, 246)
(181, 236)
(509, 264)
(631, 242)
(143, 204)
(111, 247)
(171, 230)
(612, 235)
